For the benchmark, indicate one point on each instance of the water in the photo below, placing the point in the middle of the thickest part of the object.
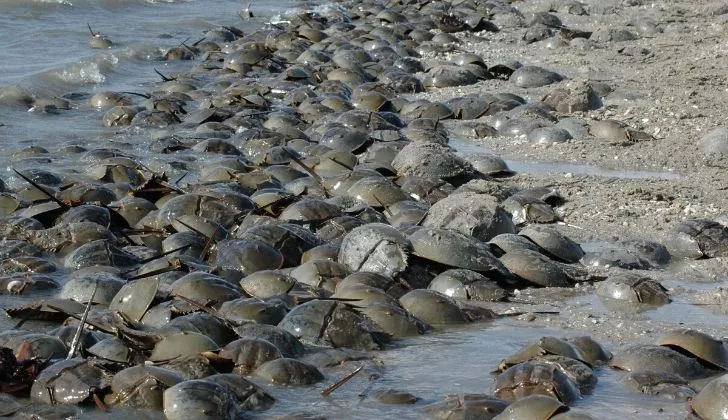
(46, 53)
(458, 360)
(47, 44)
(536, 167)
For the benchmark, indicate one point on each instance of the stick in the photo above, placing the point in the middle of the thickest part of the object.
(326, 392)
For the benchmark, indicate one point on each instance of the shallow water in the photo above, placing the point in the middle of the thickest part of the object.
(458, 360)
(46, 53)
(536, 167)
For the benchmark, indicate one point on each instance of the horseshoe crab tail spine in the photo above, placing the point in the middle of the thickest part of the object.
(311, 172)
(164, 78)
(46, 193)
(326, 392)
(77, 336)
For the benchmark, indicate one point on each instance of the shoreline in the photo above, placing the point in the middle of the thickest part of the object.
(259, 140)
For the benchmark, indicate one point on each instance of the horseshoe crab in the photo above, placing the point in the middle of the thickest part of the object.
(477, 215)
(448, 75)
(666, 385)
(141, 386)
(533, 407)
(467, 284)
(536, 269)
(250, 396)
(435, 308)
(332, 324)
(431, 160)
(377, 192)
(703, 347)
(69, 381)
(310, 211)
(324, 274)
(534, 76)
(214, 327)
(364, 296)
(697, 238)
(554, 243)
(711, 401)
(204, 288)
(113, 349)
(457, 250)
(634, 288)
(67, 238)
(99, 252)
(466, 406)
(267, 283)
(103, 286)
(198, 366)
(20, 283)
(659, 359)
(525, 209)
(249, 353)
(542, 347)
(634, 254)
(286, 342)
(529, 378)
(593, 353)
(38, 345)
(578, 371)
(289, 239)
(395, 320)
(236, 258)
(508, 242)
(181, 344)
(376, 248)
(238, 311)
(199, 399)
(286, 371)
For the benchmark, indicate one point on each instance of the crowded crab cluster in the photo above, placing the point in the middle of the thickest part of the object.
(316, 210)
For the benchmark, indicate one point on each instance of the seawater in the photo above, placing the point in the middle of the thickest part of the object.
(46, 53)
